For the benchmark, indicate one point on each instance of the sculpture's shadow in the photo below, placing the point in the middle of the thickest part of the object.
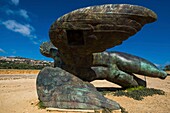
(111, 89)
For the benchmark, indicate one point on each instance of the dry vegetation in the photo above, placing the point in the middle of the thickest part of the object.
(17, 72)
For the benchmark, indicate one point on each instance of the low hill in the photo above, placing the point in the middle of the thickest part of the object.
(23, 63)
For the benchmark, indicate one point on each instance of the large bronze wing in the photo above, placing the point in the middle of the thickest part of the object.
(96, 28)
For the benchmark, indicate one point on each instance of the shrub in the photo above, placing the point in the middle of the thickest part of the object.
(138, 93)
(41, 105)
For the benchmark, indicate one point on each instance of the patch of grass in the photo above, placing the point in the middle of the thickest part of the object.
(138, 93)
(40, 105)
(135, 88)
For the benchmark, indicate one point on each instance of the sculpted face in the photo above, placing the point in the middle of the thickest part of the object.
(45, 49)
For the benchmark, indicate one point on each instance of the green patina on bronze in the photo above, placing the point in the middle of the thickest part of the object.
(58, 88)
(116, 67)
(78, 41)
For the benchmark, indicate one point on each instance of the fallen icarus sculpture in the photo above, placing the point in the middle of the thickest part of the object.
(78, 43)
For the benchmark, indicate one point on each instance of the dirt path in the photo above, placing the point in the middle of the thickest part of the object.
(18, 95)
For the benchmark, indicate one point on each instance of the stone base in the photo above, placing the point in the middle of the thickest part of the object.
(82, 111)
(59, 89)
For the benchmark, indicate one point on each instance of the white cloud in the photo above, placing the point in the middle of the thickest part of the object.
(34, 42)
(15, 2)
(2, 51)
(24, 29)
(9, 11)
(23, 13)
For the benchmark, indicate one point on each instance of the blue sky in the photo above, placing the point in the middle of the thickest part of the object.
(24, 25)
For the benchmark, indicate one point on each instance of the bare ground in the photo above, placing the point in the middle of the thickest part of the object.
(18, 95)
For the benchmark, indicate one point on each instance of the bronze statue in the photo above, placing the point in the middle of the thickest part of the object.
(78, 41)
(116, 67)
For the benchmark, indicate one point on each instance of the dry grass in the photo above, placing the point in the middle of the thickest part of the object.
(17, 71)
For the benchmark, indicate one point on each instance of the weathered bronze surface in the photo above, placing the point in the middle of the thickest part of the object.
(58, 88)
(78, 41)
(116, 67)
